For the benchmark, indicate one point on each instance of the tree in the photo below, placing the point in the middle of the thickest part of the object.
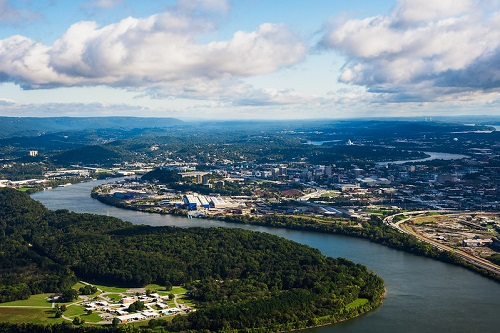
(78, 321)
(136, 306)
(69, 295)
(87, 290)
(115, 322)
(153, 323)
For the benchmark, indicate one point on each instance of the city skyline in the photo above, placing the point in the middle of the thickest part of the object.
(249, 59)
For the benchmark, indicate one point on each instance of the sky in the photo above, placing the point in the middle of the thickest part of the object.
(250, 59)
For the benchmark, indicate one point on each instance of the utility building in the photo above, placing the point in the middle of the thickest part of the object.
(190, 202)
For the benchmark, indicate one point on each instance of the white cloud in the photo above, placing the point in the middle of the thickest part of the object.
(7, 102)
(410, 11)
(14, 109)
(159, 54)
(422, 49)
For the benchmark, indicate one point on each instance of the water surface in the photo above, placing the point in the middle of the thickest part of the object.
(433, 156)
(424, 295)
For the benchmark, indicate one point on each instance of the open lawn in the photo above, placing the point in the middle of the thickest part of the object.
(424, 220)
(429, 219)
(375, 212)
(110, 289)
(26, 315)
(156, 287)
(74, 310)
(358, 302)
(78, 285)
(39, 300)
(186, 301)
(177, 290)
(163, 293)
(114, 297)
(37, 309)
(329, 194)
(79, 311)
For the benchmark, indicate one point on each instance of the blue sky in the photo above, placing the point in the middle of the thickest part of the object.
(249, 59)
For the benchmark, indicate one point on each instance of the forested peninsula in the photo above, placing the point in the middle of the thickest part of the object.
(373, 230)
(239, 280)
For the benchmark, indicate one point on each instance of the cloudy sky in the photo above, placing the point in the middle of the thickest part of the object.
(249, 59)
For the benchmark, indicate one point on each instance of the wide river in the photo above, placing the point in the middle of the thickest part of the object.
(423, 295)
(432, 156)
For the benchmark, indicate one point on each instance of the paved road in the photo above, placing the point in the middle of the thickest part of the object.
(400, 226)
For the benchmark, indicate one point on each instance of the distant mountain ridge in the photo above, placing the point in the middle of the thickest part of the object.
(25, 126)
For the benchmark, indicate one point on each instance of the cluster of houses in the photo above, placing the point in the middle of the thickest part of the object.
(155, 306)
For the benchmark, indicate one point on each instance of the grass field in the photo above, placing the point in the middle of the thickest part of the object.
(91, 318)
(177, 290)
(79, 311)
(159, 289)
(374, 212)
(110, 289)
(358, 302)
(78, 285)
(329, 194)
(39, 300)
(186, 301)
(37, 309)
(74, 310)
(26, 315)
(114, 297)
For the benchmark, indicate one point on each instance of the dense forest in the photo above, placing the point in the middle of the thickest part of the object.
(239, 279)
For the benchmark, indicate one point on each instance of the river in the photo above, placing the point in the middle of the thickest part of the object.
(423, 295)
(432, 156)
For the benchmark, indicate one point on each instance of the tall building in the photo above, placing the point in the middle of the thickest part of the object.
(328, 170)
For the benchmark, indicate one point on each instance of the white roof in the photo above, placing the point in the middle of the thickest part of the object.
(136, 316)
(203, 200)
(150, 313)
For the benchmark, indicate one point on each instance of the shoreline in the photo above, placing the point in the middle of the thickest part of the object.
(450, 257)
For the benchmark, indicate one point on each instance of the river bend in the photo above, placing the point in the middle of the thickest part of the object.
(424, 295)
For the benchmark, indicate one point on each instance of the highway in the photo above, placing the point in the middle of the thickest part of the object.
(477, 261)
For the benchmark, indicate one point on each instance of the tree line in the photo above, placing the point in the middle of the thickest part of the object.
(239, 279)
(374, 230)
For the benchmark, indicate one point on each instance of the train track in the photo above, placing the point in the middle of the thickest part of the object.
(400, 226)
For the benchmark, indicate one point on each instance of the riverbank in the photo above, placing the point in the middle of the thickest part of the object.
(417, 286)
(374, 230)
(251, 287)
